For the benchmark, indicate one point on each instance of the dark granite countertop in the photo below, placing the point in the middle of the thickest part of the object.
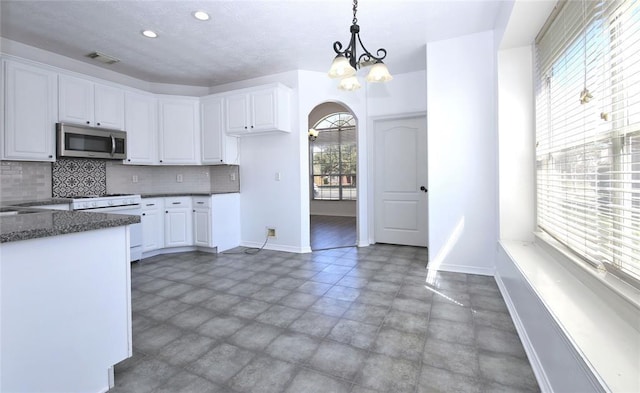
(18, 223)
(40, 202)
(175, 194)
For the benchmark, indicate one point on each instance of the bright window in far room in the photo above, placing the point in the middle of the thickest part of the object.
(334, 158)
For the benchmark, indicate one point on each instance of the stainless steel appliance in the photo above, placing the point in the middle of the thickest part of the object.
(90, 142)
(115, 204)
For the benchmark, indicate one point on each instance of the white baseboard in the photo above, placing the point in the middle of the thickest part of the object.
(483, 271)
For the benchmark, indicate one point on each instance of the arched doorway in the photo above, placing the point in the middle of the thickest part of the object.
(333, 157)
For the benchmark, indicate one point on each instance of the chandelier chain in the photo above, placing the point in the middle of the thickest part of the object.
(355, 9)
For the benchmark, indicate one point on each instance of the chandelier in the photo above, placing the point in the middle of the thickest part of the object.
(347, 62)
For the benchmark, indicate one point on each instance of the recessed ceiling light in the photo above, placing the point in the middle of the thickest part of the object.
(201, 15)
(149, 33)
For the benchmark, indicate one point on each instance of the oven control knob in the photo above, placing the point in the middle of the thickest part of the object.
(94, 204)
(110, 203)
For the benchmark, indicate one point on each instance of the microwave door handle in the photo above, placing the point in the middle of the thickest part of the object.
(113, 145)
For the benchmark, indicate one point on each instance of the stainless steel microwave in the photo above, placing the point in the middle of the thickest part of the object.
(90, 142)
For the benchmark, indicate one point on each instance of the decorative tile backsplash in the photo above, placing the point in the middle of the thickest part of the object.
(73, 177)
(29, 181)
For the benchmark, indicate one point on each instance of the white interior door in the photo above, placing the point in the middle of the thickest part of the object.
(400, 195)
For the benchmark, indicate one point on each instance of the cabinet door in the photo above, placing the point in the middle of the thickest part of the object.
(179, 131)
(109, 107)
(201, 227)
(211, 111)
(30, 115)
(75, 100)
(237, 111)
(152, 229)
(141, 124)
(177, 227)
(263, 110)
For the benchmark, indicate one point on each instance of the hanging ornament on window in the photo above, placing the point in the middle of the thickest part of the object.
(585, 96)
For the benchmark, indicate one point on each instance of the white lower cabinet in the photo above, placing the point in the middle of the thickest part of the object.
(201, 222)
(178, 230)
(204, 222)
(152, 224)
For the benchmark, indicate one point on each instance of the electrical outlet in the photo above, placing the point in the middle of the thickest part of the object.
(134, 179)
(179, 178)
(271, 232)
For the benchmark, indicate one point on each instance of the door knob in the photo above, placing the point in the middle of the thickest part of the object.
(423, 188)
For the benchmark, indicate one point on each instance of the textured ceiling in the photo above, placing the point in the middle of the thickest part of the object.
(243, 39)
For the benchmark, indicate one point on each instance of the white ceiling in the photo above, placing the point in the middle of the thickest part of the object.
(243, 39)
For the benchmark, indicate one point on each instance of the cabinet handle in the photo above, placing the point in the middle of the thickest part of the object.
(194, 210)
(129, 159)
(176, 203)
(144, 214)
(88, 122)
(245, 127)
(160, 160)
(150, 204)
(50, 156)
(166, 211)
(251, 126)
(200, 203)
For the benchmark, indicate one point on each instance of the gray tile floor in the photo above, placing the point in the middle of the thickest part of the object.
(343, 320)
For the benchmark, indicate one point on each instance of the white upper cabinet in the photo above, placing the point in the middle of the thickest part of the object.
(216, 146)
(179, 131)
(82, 101)
(30, 105)
(141, 125)
(258, 110)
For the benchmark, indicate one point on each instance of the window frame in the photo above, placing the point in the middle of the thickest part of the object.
(336, 122)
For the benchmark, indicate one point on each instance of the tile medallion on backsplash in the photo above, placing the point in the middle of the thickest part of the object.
(79, 176)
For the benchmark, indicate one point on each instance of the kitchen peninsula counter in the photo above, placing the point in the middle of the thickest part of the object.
(18, 223)
(65, 304)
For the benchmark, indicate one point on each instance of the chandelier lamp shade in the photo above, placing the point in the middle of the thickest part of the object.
(348, 61)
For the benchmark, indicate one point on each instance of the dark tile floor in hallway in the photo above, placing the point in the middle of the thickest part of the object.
(343, 320)
(332, 231)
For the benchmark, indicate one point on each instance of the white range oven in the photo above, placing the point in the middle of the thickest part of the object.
(115, 204)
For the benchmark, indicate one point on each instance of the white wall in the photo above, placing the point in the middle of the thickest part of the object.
(462, 138)
(284, 204)
(516, 143)
(406, 93)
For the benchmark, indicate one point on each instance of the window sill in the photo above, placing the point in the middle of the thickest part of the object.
(598, 313)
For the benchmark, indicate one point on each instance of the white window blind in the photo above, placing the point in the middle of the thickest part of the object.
(588, 153)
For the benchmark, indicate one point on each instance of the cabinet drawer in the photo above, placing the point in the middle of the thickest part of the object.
(152, 203)
(177, 202)
(201, 202)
